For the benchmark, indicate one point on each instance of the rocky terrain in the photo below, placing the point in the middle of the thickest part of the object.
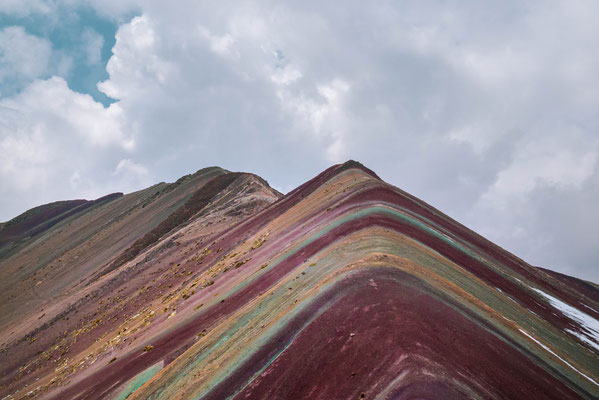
(217, 286)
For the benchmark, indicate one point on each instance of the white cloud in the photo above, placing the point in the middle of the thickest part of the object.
(109, 8)
(472, 108)
(49, 106)
(488, 111)
(564, 159)
(25, 7)
(23, 57)
(129, 174)
(221, 45)
(284, 72)
(128, 167)
(50, 135)
(563, 169)
(92, 46)
(135, 66)
(320, 116)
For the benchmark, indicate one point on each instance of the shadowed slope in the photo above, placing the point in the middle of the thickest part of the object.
(345, 288)
(196, 202)
(39, 219)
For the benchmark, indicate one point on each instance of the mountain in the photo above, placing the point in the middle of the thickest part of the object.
(217, 286)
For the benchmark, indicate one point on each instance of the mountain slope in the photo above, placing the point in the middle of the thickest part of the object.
(347, 287)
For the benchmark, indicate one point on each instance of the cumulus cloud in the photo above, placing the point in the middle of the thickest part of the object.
(55, 143)
(487, 111)
(25, 7)
(23, 57)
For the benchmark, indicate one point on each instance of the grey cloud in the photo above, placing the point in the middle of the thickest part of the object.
(485, 110)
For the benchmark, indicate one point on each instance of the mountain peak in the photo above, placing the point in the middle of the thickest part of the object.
(349, 164)
(346, 287)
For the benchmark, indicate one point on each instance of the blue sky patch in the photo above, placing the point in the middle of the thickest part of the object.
(82, 42)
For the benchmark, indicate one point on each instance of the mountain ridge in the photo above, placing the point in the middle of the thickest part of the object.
(344, 287)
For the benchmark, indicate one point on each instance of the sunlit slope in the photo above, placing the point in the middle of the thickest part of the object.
(345, 288)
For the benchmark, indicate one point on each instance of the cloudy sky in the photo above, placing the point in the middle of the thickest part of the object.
(487, 110)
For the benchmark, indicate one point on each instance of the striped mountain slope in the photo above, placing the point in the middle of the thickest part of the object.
(345, 288)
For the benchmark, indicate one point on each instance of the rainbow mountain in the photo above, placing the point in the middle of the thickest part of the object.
(219, 287)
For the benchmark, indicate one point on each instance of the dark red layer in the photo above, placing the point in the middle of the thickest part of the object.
(125, 368)
(378, 324)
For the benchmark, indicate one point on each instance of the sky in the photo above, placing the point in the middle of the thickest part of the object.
(487, 110)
